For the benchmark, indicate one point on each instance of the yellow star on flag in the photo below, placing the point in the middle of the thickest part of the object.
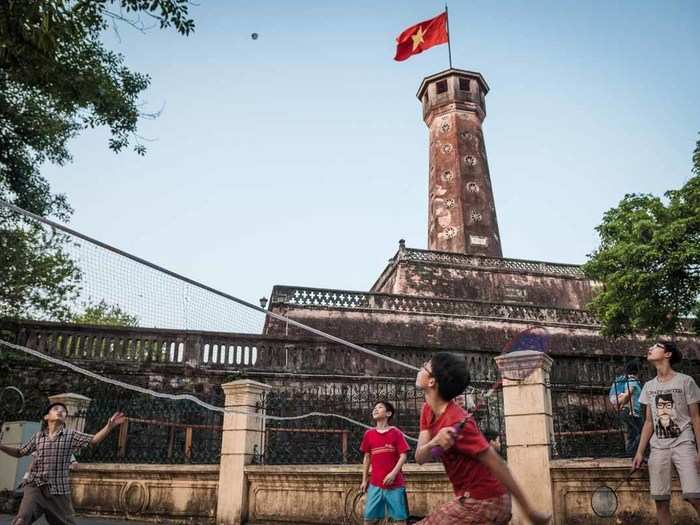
(417, 38)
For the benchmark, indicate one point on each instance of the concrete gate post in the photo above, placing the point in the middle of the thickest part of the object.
(241, 433)
(527, 407)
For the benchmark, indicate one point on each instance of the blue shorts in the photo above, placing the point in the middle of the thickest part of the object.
(382, 502)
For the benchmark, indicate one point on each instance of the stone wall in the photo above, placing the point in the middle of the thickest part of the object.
(181, 493)
(277, 494)
(573, 482)
(427, 273)
(437, 280)
(442, 331)
(330, 493)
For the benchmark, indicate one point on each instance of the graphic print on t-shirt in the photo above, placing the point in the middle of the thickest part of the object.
(666, 426)
(669, 403)
(384, 449)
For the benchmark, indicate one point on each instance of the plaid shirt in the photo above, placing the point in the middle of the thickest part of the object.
(52, 458)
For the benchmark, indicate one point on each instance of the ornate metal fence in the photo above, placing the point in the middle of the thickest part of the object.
(156, 431)
(177, 432)
(586, 424)
(333, 440)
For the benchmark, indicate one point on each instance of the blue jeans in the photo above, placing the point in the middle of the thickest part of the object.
(633, 427)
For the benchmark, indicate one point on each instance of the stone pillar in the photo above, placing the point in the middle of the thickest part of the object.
(77, 406)
(527, 407)
(241, 433)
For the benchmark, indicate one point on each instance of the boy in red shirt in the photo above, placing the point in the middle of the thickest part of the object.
(385, 451)
(481, 480)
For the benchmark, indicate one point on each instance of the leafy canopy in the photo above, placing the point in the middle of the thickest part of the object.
(648, 261)
(57, 79)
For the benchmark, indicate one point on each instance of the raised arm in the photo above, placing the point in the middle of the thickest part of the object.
(114, 421)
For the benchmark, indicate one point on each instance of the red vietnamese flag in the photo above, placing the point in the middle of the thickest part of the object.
(420, 37)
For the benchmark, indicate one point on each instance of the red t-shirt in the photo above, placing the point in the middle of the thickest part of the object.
(384, 449)
(468, 475)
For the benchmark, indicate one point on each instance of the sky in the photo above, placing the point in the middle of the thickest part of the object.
(301, 157)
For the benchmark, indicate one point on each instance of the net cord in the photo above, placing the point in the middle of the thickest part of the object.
(202, 286)
(177, 397)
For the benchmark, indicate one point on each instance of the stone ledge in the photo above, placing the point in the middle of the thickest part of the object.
(409, 468)
(143, 468)
(481, 262)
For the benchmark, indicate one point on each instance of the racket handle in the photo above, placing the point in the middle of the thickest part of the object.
(438, 451)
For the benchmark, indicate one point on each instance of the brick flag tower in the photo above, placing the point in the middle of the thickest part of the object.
(461, 208)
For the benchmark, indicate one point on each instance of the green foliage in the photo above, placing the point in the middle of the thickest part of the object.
(649, 261)
(105, 314)
(57, 79)
(38, 277)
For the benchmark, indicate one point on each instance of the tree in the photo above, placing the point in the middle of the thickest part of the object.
(105, 314)
(37, 276)
(648, 261)
(56, 80)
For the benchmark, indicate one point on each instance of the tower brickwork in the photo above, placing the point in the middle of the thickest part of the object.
(461, 207)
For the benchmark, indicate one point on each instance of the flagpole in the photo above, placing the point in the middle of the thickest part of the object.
(449, 47)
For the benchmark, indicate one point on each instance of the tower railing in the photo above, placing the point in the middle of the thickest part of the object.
(490, 263)
(353, 300)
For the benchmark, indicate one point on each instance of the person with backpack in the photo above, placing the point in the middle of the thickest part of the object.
(624, 397)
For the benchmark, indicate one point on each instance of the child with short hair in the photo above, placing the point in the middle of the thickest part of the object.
(672, 427)
(47, 488)
(480, 478)
(386, 450)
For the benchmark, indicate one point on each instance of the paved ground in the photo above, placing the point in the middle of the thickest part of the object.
(6, 518)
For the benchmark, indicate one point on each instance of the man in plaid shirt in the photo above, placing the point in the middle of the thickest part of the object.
(46, 488)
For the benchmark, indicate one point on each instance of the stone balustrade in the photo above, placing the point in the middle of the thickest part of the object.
(352, 300)
(490, 263)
